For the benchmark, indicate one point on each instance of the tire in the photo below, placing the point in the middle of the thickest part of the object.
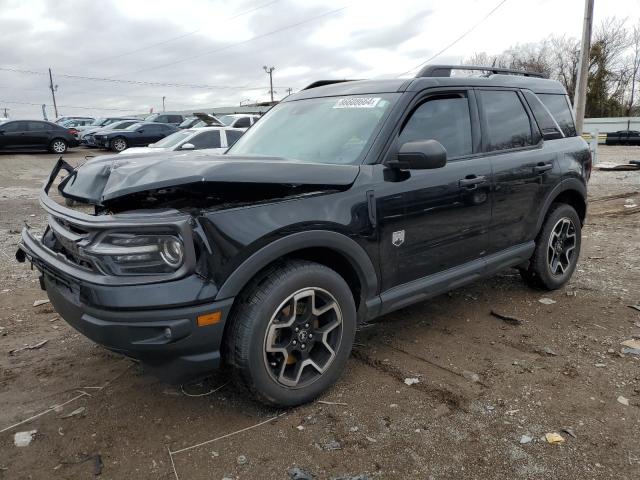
(118, 144)
(557, 249)
(285, 359)
(58, 146)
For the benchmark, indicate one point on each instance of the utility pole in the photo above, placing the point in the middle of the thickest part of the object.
(163, 103)
(53, 93)
(6, 115)
(580, 97)
(269, 71)
(289, 90)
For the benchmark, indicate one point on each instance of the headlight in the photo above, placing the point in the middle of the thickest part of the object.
(136, 254)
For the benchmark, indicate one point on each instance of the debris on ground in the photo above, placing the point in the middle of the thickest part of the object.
(616, 167)
(524, 439)
(332, 445)
(411, 381)
(554, 438)
(362, 476)
(570, 432)
(300, 427)
(506, 318)
(474, 377)
(37, 303)
(547, 301)
(77, 411)
(28, 347)
(325, 402)
(23, 439)
(600, 365)
(242, 460)
(297, 473)
(97, 464)
(623, 400)
(547, 351)
(635, 307)
(632, 346)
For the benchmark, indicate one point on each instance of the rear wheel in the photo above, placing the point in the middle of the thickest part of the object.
(557, 249)
(118, 144)
(58, 146)
(291, 333)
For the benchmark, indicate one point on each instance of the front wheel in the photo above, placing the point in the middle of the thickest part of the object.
(58, 146)
(291, 333)
(557, 249)
(118, 144)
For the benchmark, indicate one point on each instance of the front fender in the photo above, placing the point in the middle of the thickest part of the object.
(338, 242)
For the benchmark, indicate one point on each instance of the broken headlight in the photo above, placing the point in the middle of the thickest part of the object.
(137, 254)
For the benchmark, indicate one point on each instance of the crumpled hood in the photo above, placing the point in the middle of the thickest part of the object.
(107, 178)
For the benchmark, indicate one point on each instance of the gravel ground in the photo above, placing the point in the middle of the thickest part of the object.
(561, 370)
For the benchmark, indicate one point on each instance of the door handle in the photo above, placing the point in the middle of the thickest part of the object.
(542, 167)
(471, 181)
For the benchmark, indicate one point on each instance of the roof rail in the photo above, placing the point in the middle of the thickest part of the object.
(445, 71)
(322, 83)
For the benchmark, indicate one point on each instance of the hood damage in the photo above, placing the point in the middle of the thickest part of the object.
(186, 181)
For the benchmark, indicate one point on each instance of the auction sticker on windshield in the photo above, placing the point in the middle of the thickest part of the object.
(357, 102)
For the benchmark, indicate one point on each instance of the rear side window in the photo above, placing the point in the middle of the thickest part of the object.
(37, 126)
(507, 122)
(445, 119)
(233, 136)
(243, 122)
(175, 118)
(543, 117)
(209, 139)
(558, 105)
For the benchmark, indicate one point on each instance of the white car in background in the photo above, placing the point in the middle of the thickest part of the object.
(213, 139)
(238, 120)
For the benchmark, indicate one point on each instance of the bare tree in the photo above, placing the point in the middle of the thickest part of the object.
(634, 61)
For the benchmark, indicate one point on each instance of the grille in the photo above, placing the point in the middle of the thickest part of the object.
(68, 238)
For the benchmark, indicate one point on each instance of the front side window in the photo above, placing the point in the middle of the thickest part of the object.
(173, 139)
(14, 127)
(507, 122)
(243, 122)
(318, 130)
(210, 139)
(445, 119)
(558, 105)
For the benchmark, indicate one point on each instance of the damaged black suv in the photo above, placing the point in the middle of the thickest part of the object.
(346, 201)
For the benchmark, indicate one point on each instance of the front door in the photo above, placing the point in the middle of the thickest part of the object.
(433, 220)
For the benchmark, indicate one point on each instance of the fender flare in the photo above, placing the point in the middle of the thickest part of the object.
(338, 242)
(567, 184)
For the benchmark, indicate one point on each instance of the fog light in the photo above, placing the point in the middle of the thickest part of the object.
(167, 333)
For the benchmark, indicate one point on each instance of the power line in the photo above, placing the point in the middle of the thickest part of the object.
(457, 39)
(136, 82)
(179, 37)
(231, 45)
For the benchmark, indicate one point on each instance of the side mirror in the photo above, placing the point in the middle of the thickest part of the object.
(420, 155)
(187, 146)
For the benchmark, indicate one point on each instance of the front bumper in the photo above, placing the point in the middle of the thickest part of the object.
(168, 341)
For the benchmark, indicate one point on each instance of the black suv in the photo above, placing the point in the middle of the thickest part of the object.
(344, 202)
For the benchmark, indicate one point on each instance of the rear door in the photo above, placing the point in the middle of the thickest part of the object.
(433, 220)
(38, 134)
(522, 167)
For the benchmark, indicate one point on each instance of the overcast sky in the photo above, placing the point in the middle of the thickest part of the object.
(218, 47)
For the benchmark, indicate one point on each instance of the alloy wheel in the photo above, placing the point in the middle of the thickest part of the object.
(58, 146)
(119, 144)
(561, 246)
(302, 337)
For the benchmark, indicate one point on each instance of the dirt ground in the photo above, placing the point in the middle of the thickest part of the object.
(561, 370)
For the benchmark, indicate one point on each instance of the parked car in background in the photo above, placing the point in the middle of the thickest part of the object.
(87, 137)
(61, 120)
(169, 118)
(100, 124)
(136, 135)
(35, 135)
(214, 139)
(239, 120)
(76, 122)
(623, 137)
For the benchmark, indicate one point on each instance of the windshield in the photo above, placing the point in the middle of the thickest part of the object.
(99, 122)
(117, 125)
(319, 130)
(187, 122)
(173, 139)
(151, 118)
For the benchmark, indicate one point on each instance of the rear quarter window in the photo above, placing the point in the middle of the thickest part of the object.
(559, 107)
(506, 121)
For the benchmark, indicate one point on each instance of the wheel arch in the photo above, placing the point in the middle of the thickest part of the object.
(570, 191)
(332, 249)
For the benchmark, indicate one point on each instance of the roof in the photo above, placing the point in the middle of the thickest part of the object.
(360, 87)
